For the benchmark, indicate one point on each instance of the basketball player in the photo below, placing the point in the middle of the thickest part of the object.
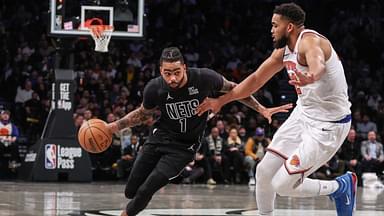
(175, 137)
(317, 126)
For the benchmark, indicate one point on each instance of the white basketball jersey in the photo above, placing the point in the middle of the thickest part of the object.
(327, 98)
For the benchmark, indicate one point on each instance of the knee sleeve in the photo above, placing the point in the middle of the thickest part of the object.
(263, 173)
(283, 183)
(280, 186)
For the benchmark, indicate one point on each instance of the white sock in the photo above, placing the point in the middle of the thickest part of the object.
(328, 187)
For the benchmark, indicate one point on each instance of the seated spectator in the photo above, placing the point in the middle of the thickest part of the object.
(88, 115)
(113, 153)
(201, 160)
(373, 155)
(125, 163)
(330, 170)
(191, 173)
(222, 130)
(243, 135)
(350, 153)
(33, 118)
(8, 139)
(25, 93)
(365, 126)
(217, 159)
(235, 154)
(78, 120)
(254, 151)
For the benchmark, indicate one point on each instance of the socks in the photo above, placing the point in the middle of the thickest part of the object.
(328, 187)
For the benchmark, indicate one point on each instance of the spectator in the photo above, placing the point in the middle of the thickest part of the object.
(79, 119)
(217, 159)
(8, 139)
(365, 126)
(330, 170)
(254, 151)
(113, 153)
(243, 135)
(222, 130)
(373, 155)
(350, 153)
(125, 163)
(191, 173)
(33, 118)
(25, 93)
(235, 154)
(201, 160)
(88, 115)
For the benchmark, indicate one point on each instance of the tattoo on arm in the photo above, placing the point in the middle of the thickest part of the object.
(227, 86)
(136, 117)
(248, 101)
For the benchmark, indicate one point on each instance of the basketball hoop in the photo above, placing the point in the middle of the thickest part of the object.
(101, 34)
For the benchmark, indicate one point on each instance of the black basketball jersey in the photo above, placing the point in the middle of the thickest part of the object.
(178, 120)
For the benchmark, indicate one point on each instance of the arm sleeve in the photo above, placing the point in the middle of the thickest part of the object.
(150, 95)
(214, 79)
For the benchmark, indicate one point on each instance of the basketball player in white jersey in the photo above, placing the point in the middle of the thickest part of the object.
(317, 126)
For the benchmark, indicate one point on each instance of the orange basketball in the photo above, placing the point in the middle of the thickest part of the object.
(94, 136)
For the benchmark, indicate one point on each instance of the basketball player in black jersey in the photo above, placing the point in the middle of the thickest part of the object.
(175, 137)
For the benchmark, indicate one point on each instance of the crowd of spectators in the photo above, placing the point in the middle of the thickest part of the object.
(230, 37)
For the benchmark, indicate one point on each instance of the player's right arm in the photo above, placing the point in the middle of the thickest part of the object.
(141, 114)
(132, 119)
(251, 84)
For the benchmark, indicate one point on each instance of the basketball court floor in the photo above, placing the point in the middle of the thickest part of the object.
(92, 199)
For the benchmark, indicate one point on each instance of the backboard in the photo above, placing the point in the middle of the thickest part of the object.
(67, 17)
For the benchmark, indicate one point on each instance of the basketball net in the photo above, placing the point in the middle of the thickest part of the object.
(100, 33)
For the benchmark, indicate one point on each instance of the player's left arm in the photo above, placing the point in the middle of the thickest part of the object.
(314, 56)
(248, 101)
(254, 104)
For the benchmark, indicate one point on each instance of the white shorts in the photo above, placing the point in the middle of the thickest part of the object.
(307, 144)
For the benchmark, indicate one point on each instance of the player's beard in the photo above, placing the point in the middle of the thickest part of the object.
(282, 42)
(178, 84)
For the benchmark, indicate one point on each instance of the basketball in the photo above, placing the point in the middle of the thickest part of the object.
(94, 136)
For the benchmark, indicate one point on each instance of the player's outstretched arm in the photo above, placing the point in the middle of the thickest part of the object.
(252, 83)
(134, 118)
(254, 104)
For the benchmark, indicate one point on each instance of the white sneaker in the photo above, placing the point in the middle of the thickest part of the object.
(251, 181)
(211, 181)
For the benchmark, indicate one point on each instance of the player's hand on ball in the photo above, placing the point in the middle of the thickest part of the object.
(113, 128)
(209, 104)
(268, 112)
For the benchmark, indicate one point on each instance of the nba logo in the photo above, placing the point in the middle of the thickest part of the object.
(50, 156)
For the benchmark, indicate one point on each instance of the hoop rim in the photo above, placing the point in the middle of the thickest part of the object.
(100, 27)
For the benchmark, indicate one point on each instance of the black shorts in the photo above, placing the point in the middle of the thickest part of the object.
(168, 159)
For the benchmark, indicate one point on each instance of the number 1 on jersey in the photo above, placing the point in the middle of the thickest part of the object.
(183, 125)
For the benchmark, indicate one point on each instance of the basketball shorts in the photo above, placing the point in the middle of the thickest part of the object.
(306, 144)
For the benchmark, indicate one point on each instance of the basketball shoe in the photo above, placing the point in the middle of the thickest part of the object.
(345, 195)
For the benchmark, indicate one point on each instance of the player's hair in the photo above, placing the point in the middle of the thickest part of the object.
(171, 54)
(292, 12)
